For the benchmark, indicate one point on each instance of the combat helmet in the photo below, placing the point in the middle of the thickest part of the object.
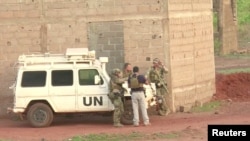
(156, 60)
(116, 71)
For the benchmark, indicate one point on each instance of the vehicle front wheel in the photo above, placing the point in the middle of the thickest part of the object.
(40, 115)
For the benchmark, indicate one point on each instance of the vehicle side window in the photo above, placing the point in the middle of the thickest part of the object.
(87, 76)
(62, 78)
(33, 79)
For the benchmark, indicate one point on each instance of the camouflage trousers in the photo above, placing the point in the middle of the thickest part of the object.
(119, 109)
(162, 92)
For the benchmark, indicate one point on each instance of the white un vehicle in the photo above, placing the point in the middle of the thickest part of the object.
(75, 82)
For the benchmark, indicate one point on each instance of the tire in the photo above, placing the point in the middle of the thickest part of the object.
(127, 116)
(40, 115)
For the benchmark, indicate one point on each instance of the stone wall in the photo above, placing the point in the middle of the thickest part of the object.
(177, 31)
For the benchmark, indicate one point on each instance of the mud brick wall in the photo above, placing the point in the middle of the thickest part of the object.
(135, 31)
(228, 26)
(191, 52)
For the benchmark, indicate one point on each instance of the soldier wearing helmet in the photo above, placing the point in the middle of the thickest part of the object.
(115, 95)
(156, 75)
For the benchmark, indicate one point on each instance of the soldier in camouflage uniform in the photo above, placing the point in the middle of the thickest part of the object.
(127, 70)
(156, 75)
(116, 95)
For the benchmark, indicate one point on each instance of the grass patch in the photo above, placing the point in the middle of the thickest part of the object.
(171, 135)
(243, 12)
(217, 46)
(239, 69)
(207, 107)
(235, 70)
(134, 136)
(237, 56)
(107, 137)
(95, 137)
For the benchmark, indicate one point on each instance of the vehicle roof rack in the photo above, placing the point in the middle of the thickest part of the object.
(80, 54)
(72, 55)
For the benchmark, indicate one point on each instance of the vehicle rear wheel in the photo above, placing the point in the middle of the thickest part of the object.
(40, 115)
(127, 116)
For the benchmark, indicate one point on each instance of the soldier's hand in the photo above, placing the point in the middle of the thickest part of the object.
(159, 84)
(117, 94)
(124, 79)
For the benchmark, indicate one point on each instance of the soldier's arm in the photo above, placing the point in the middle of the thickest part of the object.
(121, 80)
(164, 69)
(153, 77)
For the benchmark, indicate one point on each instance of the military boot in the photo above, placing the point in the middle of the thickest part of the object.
(118, 125)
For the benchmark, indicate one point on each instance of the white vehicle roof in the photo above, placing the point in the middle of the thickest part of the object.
(72, 56)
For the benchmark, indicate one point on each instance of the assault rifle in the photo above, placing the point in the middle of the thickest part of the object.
(162, 83)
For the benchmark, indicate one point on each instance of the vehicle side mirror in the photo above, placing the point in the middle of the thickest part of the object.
(97, 79)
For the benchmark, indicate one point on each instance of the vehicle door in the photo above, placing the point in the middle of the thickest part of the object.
(31, 85)
(62, 90)
(92, 96)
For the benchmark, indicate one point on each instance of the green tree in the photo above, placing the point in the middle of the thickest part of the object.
(243, 11)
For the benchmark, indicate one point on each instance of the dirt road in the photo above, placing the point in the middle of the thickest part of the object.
(189, 126)
(234, 90)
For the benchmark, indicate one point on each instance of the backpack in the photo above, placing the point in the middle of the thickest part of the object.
(134, 82)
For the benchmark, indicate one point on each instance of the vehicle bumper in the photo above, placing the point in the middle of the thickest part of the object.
(15, 110)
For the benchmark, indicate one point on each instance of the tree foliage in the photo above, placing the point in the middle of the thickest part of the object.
(243, 11)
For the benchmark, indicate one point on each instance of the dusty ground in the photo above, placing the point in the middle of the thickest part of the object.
(233, 90)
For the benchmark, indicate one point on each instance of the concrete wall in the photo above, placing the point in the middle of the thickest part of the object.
(107, 39)
(177, 31)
